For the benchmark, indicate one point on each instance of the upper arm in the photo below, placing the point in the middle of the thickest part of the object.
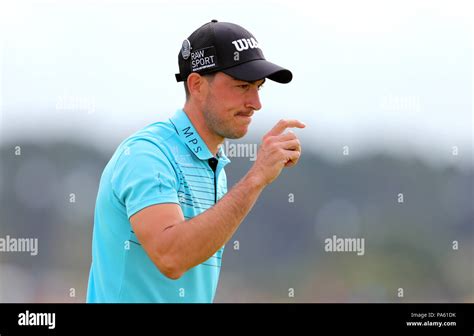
(150, 225)
(145, 182)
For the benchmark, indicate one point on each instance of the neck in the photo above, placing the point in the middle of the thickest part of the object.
(210, 138)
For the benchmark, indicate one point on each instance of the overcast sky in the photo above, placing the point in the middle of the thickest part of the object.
(374, 75)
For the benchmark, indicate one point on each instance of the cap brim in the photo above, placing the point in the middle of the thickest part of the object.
(259, 69)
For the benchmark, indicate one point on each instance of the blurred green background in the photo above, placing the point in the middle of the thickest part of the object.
(280, 255)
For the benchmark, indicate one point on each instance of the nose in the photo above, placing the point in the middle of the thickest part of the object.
(253, 100)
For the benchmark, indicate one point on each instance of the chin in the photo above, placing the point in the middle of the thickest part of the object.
(236, 135)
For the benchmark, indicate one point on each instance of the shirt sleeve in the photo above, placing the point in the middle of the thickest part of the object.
(143, 176)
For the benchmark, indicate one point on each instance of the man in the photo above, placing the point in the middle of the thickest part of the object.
(163, 213)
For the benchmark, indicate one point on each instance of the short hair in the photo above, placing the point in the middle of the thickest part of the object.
(209, 78)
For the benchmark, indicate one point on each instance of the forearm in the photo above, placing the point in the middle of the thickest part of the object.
(196, 240)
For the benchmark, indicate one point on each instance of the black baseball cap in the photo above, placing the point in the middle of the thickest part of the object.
(227, 47)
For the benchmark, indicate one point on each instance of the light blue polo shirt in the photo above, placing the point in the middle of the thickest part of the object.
(166, 162)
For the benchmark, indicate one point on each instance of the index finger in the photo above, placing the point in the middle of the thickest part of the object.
(284, 124)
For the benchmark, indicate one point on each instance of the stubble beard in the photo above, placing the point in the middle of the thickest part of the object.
(219, 126)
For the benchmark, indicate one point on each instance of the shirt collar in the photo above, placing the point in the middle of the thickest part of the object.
(188, 135)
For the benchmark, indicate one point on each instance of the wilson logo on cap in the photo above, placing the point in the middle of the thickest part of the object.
(245, 43)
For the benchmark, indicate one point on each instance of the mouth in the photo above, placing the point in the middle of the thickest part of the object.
(245, 114)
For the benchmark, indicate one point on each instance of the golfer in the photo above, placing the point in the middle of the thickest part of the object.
(163, 213)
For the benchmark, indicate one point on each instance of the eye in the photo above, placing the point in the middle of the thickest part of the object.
(244, 86)
(260, 87)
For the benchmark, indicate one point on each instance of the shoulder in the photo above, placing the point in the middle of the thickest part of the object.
(150, 148)
(156, 136)
(144, 155)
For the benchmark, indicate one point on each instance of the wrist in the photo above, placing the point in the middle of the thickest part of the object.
(254, 180)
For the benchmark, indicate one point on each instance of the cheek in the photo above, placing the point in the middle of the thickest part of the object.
(225, 108)
(229, 99)
(225, 104)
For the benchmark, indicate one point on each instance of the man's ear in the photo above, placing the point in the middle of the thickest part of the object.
(197, 86)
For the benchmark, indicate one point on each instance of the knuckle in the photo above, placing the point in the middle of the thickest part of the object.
(269, 141)
(291, 135)
(265, 140)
